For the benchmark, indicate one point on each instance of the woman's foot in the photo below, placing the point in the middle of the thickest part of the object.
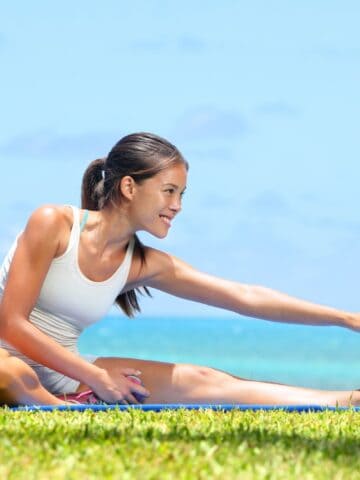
(87, 397)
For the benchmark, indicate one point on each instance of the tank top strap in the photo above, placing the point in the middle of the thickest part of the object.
(84, 220)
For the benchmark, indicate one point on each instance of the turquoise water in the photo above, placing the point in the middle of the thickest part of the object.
(322, 357)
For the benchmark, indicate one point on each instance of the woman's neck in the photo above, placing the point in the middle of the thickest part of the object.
(109, 230)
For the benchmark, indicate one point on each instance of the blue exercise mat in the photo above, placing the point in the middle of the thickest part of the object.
(178, 406)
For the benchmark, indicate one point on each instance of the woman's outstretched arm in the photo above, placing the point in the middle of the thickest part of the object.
(171, 275)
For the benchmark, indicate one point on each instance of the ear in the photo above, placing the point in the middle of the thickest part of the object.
(127, 187)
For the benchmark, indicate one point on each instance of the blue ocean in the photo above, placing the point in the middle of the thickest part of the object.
(318, 357)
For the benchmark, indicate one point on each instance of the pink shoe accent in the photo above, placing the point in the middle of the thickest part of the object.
(88, 397)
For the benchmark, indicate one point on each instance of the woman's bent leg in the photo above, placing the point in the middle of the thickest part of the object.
(184, 383)
(19, 384)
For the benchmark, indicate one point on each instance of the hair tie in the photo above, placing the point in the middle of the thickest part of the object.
(103, 174)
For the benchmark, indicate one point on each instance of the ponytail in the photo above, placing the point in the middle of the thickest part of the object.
(93, 185)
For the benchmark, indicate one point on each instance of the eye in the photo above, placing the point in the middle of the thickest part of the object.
(170, 190)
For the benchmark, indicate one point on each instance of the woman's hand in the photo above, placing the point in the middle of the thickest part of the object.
(120, 390)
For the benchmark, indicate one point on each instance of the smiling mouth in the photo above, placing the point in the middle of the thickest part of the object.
(166, 220)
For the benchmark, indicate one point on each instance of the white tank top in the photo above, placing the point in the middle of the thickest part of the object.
(69, 301)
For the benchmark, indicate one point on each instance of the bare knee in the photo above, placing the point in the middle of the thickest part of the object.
(4, 354)
(193, 375)
(16, 380)
(6, 377)
(13, 371)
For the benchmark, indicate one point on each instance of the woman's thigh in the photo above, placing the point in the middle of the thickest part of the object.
(169, 382)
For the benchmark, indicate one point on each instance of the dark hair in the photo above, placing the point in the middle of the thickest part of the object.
(141, 156)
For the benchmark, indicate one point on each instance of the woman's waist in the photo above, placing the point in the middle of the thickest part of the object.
(62, 330)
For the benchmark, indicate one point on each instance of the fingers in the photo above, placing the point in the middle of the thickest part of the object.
(128, 399)
(137, 387)
(141, 391)
(132, 399)
(136, 394)
(130, 396)
(127, 390)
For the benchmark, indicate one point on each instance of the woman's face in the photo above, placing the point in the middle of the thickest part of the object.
(158, 199)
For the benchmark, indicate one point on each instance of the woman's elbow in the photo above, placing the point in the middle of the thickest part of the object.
(4, 322)
(8, 328)
(245, 299)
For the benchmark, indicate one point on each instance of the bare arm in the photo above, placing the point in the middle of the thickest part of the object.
(173, 276)
(37, 247)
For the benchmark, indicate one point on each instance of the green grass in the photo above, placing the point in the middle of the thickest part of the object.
(179, 445)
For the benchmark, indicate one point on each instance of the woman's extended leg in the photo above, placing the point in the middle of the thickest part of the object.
(184, 383)
(19, 384)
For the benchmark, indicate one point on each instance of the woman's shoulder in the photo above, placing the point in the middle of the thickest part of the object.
(48, 225)
(147, 266)
(51, 217)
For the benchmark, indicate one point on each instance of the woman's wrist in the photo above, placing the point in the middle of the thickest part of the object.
(351, 320)
(92, 374)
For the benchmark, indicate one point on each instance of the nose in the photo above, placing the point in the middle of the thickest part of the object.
(176, 205)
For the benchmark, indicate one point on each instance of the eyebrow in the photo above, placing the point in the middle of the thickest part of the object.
(174, 185)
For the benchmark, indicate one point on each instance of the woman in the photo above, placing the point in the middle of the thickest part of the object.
(70, 265)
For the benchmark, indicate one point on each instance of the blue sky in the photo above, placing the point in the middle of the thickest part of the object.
(261, 97)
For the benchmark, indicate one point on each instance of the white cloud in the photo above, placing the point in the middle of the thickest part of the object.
(51, 145)
(208, 122)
